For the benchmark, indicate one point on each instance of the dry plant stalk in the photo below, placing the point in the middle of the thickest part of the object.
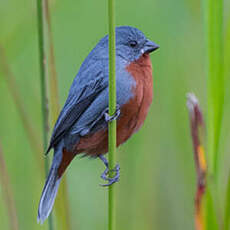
(7, 193)
(197, 127)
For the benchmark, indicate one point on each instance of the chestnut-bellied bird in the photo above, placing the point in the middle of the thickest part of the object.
(82, 126)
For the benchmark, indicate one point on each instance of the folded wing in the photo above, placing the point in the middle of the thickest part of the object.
(79, 99)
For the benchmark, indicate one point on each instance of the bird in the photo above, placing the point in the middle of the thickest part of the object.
(82, 125)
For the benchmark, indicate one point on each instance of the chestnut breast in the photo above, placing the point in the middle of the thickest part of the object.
(133, 113)
(138, 106)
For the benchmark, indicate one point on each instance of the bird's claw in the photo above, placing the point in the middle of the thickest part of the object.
(111, 180)
(109, 118)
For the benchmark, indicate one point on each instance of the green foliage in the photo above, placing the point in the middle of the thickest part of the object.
(227, 74)
(213, 10)
(215, 80)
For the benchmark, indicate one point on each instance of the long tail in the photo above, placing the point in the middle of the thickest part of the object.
(48, 195)
(61, 160)
(50, 189)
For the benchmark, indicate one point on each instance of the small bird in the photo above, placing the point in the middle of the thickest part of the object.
(82, 126)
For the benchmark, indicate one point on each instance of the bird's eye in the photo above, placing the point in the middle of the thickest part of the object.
(133, 44)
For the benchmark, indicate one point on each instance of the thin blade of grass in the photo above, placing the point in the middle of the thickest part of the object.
(210, 211)
(227, 75)
(7, 192)
(43, 78)
(53, 82)
(213, 10)
(62, 202)
(112, 109)
(215, 79)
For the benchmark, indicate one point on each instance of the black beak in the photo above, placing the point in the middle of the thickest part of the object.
(150, 46)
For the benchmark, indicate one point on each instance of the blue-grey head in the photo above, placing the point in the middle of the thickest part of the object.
(131, 43)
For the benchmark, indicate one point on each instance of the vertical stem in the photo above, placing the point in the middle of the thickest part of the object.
(227, 74)
(112, 109)
(44, 100)
(62, 202)
(53, 82)
(215, 80)
(213, 10)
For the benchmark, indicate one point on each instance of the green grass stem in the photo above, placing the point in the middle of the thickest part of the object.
(112, 109)
(62, 202)
(53, 81)
(44, 99)
(213, 10)
(215, 81)
(211, 222)
(227, 74)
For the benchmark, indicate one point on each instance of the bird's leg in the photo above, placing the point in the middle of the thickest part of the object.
(104, 175)
(117, 113)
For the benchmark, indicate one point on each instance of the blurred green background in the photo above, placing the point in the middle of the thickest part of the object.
(158, 181)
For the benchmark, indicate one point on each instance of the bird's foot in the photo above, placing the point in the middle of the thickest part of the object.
(105, 175)
(109, 118)
(111, 180)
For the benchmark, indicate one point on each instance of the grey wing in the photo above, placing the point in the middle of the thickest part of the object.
(93, 117)
(77, 102)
